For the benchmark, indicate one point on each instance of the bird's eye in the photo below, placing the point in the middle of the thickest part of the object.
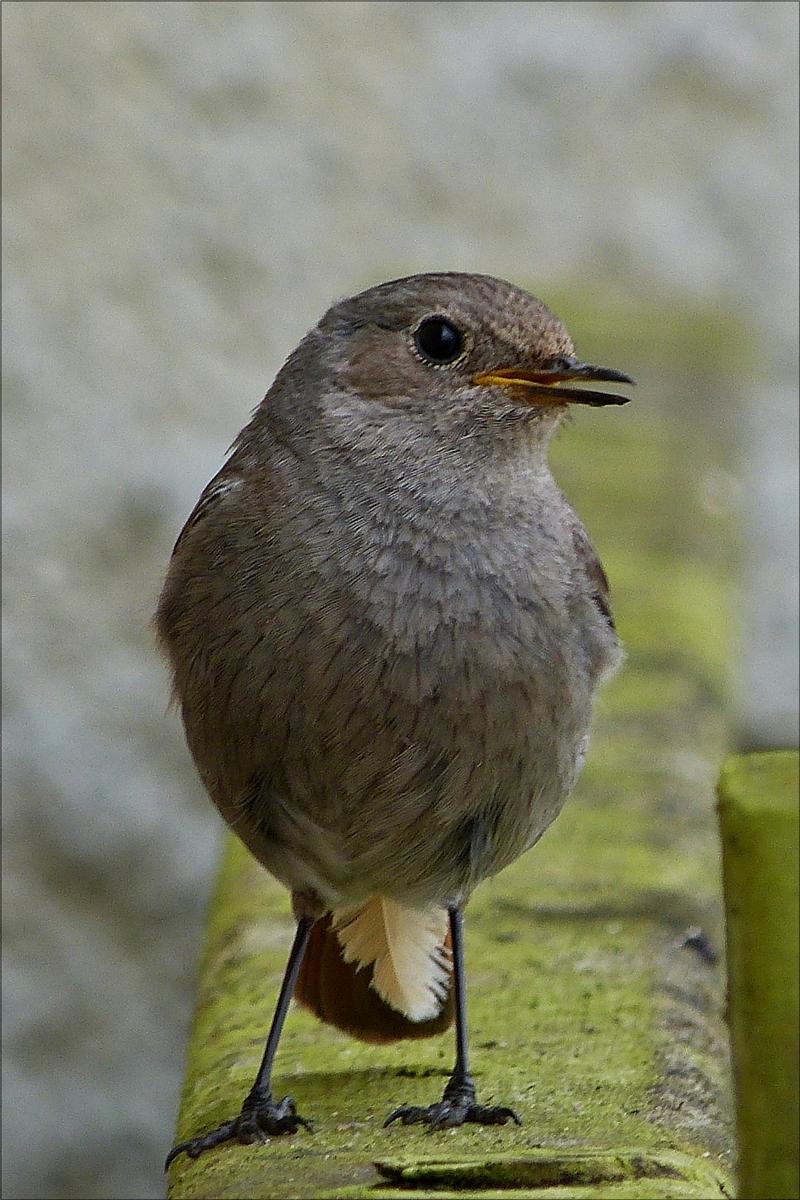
(438, 340)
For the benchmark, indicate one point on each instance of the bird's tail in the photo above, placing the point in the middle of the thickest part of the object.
(379, 971)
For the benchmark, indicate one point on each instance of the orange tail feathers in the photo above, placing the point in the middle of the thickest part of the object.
(341, 993)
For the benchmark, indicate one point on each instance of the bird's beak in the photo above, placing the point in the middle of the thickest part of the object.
(542, 386)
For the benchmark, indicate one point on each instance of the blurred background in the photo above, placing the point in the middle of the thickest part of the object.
(187, 187)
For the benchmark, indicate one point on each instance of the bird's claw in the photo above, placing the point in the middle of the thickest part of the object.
(260, 1118)
(458, 1106)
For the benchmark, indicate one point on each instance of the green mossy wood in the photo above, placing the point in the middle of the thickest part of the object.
(758, 816)
(590, 1012)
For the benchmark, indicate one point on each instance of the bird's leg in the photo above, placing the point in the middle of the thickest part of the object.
(458, 1104)
(261, 1114)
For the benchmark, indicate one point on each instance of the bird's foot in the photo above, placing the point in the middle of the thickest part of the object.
(261, 1117)
(458, 1106)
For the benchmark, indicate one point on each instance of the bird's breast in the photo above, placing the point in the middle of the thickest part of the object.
(401, 696)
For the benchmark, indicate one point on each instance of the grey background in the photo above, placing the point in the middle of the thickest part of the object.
(186, 188)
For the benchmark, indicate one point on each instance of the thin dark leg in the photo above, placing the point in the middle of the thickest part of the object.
(459, 1102)
(262, 1083)
(460, 992)
(460, 1083)
(261, 1114)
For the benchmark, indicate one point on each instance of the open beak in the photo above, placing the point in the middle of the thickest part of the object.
(543, 386)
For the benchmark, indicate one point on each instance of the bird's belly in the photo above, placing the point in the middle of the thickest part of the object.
(419, 723)
(418, 780)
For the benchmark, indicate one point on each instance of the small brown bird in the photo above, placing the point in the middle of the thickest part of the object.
(386, 626)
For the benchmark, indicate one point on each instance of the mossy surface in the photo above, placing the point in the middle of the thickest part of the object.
(589, 1013)
(758, 813)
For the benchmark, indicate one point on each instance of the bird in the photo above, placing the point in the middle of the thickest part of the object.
(386, 626)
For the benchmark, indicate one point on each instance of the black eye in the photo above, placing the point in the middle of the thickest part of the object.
(438, 340)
